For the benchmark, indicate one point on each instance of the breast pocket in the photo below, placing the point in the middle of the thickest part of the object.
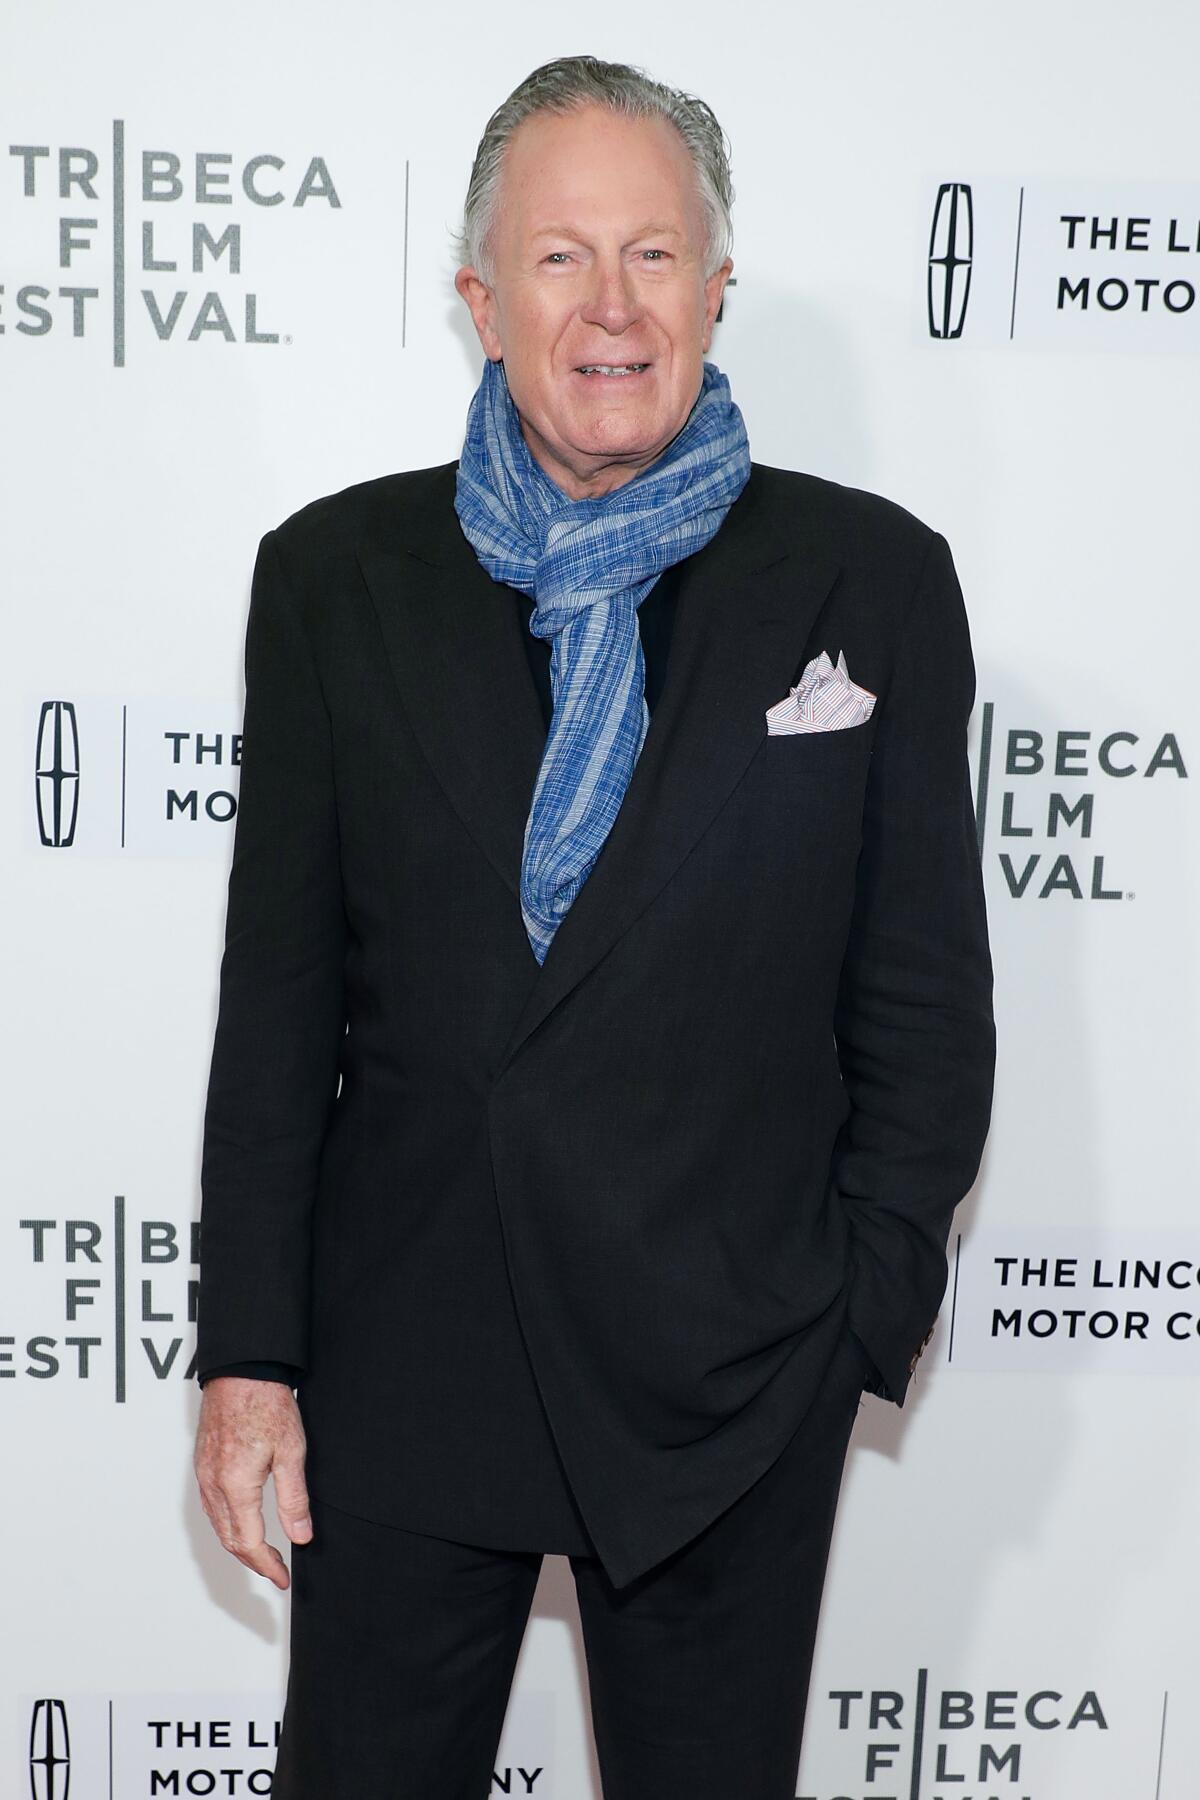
(846, 747)
(815, 782)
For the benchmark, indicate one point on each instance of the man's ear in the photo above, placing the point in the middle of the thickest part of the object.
(714, 289)
(481, 304)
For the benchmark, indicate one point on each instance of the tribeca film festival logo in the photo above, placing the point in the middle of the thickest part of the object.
(960, 1742)
(1044, 783)
(126, 244)
(137, 1747)
(1065, 264)
(111, 775)
(105, 1301)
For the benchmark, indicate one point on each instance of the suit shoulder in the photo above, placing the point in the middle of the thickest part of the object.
(335, 522)
(860, 525)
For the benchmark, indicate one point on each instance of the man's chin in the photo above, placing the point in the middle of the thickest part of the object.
(631, 440)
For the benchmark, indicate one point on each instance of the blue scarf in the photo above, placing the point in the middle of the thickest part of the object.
(589, 564)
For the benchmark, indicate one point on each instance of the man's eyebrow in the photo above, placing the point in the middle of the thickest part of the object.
(573, 231)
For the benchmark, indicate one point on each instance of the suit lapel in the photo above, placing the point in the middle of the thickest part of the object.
(745, 608)
(453, 640)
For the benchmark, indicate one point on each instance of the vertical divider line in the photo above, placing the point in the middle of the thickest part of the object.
(1162, 1739)
(954, 1296)
(119, 1295)
(914, 1785)
(1012, 317)
(404, 273)
(118, 215)
(981, 785)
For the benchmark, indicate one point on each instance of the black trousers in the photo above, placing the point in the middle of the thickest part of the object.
(403, 1646)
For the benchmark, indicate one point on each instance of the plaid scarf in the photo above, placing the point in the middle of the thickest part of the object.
(589, 564)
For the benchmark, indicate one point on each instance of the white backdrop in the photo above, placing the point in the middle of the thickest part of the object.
(1028, 1629)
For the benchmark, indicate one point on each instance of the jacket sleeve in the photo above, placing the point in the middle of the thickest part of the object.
(256, 1371)
(281, 1016)
(913, 1019)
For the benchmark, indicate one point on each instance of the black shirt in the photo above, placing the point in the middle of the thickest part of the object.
(656, 617)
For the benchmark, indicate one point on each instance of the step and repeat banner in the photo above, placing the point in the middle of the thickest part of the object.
(967, 268)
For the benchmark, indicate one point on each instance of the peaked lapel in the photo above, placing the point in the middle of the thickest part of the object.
(453, 640)
(746, 605)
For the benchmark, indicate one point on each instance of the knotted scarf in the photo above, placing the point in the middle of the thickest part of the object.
(589, 564)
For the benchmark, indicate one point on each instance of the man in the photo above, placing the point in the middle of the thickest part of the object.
(605, 1032)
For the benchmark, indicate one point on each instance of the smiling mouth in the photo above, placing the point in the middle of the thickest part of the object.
(611, 370)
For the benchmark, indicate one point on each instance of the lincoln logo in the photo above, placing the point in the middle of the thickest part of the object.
(951, 245)
(57, 774)
(49, 1751)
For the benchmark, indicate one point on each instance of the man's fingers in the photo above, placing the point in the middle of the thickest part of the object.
(238, 1523)
(291, 1499)
(247, 1537)
(267, 1561)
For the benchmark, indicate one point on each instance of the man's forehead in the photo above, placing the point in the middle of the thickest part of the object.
(553, 187)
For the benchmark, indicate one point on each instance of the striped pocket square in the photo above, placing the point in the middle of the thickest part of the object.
(824, 699)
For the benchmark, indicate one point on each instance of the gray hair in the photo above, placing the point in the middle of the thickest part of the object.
(567, 84)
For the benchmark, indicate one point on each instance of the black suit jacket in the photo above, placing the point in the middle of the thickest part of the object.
(656, 617)
(568, 1249)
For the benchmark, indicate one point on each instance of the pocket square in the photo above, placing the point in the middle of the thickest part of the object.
(824, 699)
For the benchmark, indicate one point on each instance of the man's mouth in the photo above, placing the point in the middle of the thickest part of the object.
(611, 369)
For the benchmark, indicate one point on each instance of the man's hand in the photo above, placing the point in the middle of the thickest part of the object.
(247, 1431)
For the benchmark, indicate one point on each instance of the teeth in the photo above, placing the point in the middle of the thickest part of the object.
(610, 368)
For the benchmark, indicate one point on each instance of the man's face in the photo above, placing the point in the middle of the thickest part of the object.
(599, 259)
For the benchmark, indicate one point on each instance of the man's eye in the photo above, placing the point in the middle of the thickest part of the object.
(654, 253)
(555, 253)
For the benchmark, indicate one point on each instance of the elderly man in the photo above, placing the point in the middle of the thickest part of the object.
(605, 1033)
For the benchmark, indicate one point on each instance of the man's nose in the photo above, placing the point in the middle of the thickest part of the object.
(611, 301)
